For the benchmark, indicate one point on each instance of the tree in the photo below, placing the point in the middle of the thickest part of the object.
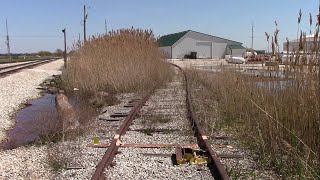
(44, 53)
(58, 52)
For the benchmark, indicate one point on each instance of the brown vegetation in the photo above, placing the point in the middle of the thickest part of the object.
(279, 119)
(277, 113)
(126, 60)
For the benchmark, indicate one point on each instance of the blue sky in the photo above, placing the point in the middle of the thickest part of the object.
(36, 25)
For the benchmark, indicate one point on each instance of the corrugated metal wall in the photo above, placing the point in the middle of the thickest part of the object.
(219, 50)
(206, 46)
(294, 46)
(236, 52)
(203, 49)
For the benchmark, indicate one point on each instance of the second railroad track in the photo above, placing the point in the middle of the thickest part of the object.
(10, 69)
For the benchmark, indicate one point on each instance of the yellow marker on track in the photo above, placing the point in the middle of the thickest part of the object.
(96, 140)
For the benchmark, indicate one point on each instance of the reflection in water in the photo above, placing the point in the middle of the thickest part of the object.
(31, 122)
(277, 80)
(274, 85)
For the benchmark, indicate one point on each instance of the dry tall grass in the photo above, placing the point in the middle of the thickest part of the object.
(122, 61)
(277, 118)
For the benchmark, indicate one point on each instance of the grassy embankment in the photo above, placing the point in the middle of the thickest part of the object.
(277, 117)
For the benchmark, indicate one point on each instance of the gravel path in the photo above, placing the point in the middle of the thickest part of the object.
(24, 162)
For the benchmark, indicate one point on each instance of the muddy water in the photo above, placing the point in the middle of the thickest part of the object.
(31, 122)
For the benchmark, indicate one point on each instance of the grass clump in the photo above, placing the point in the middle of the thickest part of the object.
(280, 124)
(275, 113)
(127, 60)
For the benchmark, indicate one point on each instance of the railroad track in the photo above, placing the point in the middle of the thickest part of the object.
(7, 70)
(178, 112)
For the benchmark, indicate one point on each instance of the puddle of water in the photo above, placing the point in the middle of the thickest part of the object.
(31, 122)
(265, 73)
(247, 71)
(275, 85)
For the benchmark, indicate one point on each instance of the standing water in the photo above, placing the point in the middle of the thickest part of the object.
(31, 122)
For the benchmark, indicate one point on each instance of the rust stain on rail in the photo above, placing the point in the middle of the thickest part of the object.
(215, 166)
(114, 145)
(217, 169)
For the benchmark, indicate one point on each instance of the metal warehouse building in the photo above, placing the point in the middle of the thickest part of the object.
(294, 44)
(181, 45)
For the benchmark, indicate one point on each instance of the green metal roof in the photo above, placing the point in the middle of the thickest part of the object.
(236, 47)
(170, 39)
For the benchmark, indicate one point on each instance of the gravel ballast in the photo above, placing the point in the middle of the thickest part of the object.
(15, 90)
(13, 64)
(165, 110)
(133, 163)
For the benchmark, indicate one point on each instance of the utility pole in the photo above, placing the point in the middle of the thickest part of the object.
(79, 41)
(65, 47)
(85, 16)
(252, 36)
(8, 42)
(105, 26)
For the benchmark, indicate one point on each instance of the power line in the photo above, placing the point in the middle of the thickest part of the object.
(35, 36)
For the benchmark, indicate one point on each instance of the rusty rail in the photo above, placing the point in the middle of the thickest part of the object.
(217, 169)
(114, 146)
(17, 65)
(20, 67)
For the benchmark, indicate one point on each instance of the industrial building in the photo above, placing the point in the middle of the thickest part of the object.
(192, 44)
(294, 44)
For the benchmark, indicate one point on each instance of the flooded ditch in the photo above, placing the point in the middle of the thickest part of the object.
(41, 118)
(32, 121)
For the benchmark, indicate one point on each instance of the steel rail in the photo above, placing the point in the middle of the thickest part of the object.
(114, 145)
(17, 65)
(217, 169)
(23, 66)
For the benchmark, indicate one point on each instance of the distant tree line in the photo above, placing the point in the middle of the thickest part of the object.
(57, 53)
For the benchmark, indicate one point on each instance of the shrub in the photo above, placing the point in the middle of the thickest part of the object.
(44, 53)
(126, 60)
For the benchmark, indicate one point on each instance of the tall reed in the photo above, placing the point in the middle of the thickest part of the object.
(278, 115)
(278, 119)
(126, 60)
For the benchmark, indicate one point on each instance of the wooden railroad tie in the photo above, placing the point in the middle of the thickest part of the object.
(179, 146)
(158, 146)
(145, 145)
